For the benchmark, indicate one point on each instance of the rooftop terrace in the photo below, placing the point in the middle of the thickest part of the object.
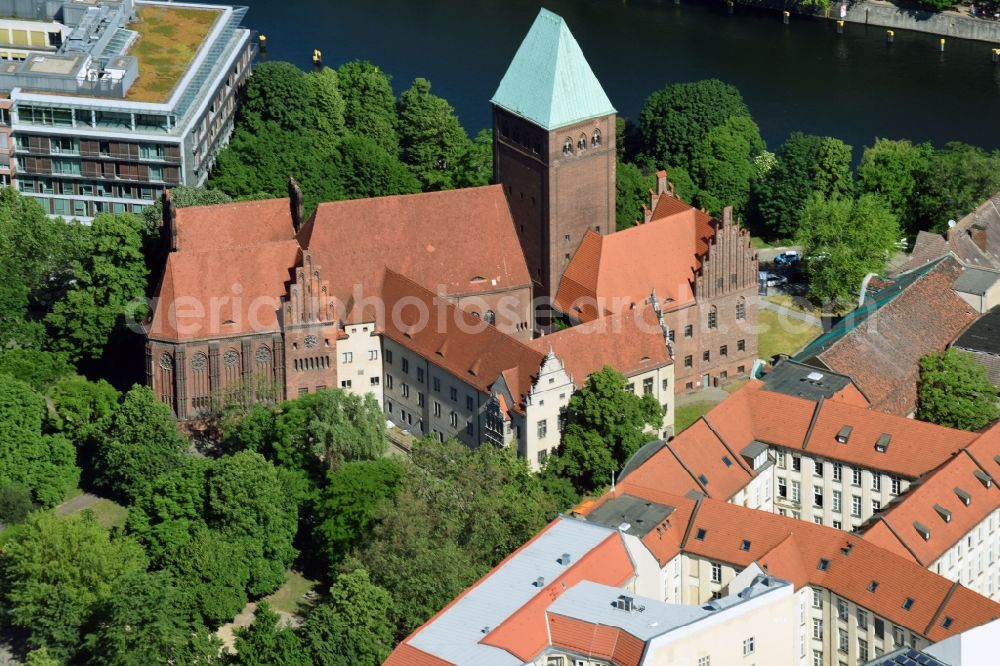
(169, 38)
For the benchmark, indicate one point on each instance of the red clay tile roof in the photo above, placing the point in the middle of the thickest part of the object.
(971, 470)
(927, 247)
(455, 340)
(881, 355)
(232, 225)
(462, 241)
(630, 342)
(407, 655)
(223, 292)
(594, 640)
(609, 273)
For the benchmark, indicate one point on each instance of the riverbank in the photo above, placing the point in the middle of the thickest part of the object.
(946, 24)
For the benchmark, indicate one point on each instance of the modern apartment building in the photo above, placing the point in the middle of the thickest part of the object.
(110, 102)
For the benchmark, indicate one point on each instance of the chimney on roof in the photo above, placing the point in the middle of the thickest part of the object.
(169, 227)
(647, 213)
(727, 216)
(295, 203)
(661, 181)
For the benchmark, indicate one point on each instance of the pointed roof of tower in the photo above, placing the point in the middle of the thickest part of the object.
(549, 81)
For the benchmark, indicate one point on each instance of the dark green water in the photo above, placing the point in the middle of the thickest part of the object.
(802, 76)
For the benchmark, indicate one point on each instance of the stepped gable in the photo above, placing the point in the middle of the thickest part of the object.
(630, 342)
(455, 340)
(460, 241)
(549, 81)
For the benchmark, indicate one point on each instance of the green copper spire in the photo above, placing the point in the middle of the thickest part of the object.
(549, 81)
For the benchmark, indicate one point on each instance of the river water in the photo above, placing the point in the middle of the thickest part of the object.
(801, 76)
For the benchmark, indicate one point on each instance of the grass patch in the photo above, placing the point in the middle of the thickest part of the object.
(734, 386)
(777, 334)
(797, 303)
(168, 39)
(758, 243)
(107, 513)
(686, 415)
(291, 597)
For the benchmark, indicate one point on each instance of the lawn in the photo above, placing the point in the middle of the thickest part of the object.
(168, 39)
(107, 513)
(778, 334)
(797, 303)
(291, 596)
(758, 243)
(685, 415)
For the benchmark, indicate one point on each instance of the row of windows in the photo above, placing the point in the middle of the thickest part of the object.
(581, 142)
(87, 189)
(706, 356)
(819, 468)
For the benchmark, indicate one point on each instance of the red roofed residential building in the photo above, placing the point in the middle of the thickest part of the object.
(701, 272)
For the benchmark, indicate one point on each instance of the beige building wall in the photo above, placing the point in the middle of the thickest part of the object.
(834, 494)
(974, 560)
(359, 360)
(659, 382)
(544, 409)
(983, 302)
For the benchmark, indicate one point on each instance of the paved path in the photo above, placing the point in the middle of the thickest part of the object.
(78, 503)
(711, 394)
(792, 314)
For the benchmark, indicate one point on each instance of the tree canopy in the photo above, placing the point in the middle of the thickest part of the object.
(893, 170)
(845, 239)
(957, 179)
(954, 391)
(432, 140)
(723, 164)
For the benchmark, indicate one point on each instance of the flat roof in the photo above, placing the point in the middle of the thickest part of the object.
(169, 39)
(640, 515)
(976, 281)
(804, 381)
(983, 335)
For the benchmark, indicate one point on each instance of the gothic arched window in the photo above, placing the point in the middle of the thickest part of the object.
(582, 142)
(568, 146)
(595, 140)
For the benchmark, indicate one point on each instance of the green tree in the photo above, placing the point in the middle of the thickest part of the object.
(723, 164)
(249, 503)
(109, 287)
(15, 503)
(349, 503)
(954, 391)
(39, 248)
(277, 93)
(40, 369)
(475, 166)
(958, 178)
(139, 443)
(432, 140)
(79, 407)
(361, 169)
(145, 620)
(804, 165)
(56, 572)
(326, 105)
(323, 430)
(846, 239)
(40, 657)
(892, 170)
(369, 104)
(632, 188)
(353, 627)
(264, 643)
(607, 424)
(250, 429)
(45, 464)
(16, 325)
(676, 118)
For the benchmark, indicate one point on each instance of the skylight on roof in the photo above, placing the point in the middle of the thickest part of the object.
(700, 534)
(872, 586)
(824, 564)
(703, 479)
(907, 603)
(745, 546)
(947, 622)
(727, 461)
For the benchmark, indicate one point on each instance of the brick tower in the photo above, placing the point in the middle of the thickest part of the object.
(554, 150)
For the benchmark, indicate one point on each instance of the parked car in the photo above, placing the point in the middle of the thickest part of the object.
(789, 258)
(774, 280)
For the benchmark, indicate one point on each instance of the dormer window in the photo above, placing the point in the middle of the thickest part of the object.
(943, 512)
(983, 477)
(844, 434)
(964, 496)
(922, 530)
(882, 444)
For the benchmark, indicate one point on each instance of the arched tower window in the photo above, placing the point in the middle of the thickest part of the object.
(581, 143)
(199, 382)
(568, 146)
(490, 317)
(741, 308)
(166, 383)
(595, 140)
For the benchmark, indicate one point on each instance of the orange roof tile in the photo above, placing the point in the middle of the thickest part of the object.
(594, 640)
(475, 352)
(236, 224)
(610, 273)
(222, 292)
(630, 342)
(462, 241)
(407, 655)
